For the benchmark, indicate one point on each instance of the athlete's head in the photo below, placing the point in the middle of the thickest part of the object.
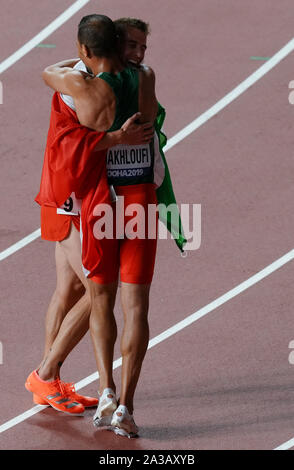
(132, 34)
(97, 37)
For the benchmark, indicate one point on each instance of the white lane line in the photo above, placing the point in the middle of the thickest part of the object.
(18, 245)
(286, 446)
(59, 21)
(171, 331)
(20, 418)
(235, 93)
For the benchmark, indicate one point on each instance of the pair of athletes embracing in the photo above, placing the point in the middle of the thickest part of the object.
(104, 100)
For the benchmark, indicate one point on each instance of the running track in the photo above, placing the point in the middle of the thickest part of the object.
(224, 381)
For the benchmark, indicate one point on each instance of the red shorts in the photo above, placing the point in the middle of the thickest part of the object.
(133, 259)
(55, 227)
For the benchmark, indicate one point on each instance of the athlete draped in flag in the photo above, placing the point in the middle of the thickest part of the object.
(61, 176)
(133, 35)
(135, 45)
(132, 258)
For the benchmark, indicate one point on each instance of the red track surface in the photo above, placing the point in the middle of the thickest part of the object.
(225, 381)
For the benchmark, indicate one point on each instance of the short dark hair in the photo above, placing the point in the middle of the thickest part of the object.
(122, 24)
(98, 34)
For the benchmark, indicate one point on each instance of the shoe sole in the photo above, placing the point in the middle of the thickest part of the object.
(103, 421)
(122, 432)
(66, 412)
(27, 386)
(40, 401)
(118, 429)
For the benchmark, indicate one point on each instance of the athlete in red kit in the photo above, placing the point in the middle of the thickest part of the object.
(64, 331)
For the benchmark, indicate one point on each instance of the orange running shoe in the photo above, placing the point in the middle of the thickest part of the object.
(87, 402)
(54, 394)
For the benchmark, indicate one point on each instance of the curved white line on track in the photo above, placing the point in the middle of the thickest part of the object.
(202, 119)
(170, 331)
(59, 21)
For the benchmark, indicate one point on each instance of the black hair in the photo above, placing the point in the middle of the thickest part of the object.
(98, 34)
(122, 23)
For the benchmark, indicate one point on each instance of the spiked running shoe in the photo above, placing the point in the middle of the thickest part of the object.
(87, 402)
(54, 394)
(107, 405)
(123, 423)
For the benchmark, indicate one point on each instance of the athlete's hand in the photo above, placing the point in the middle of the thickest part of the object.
(136, 134)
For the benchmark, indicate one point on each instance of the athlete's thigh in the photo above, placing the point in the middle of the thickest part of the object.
(71, 247)
(137, 260)
(67, 281)
(138, 250)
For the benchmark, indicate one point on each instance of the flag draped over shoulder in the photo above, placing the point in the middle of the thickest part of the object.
(70, 162)
(165, 194)
(72, 165)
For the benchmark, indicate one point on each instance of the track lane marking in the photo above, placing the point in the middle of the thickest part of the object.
(47, 31)
(18, 245)
(286, 445)
(11, 60)
(202, 119)
(170, 331)
(232, 95)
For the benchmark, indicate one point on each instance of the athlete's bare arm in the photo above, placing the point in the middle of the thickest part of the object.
(94, 99)
(62, 78)
(129, 134)
(148, 105)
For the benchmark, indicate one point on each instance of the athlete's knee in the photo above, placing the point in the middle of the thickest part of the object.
(69, 292)
(101, 306)
(102, 296)
(136, 308)
(78, 288)
(59, 298)
(136, 318)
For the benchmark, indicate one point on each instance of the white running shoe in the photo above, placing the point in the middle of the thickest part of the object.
(123, 423)
(107, 405)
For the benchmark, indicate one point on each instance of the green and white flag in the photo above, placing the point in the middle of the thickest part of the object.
(165, 193)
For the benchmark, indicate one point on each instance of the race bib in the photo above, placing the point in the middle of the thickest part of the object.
(129, 162)
(72, 206)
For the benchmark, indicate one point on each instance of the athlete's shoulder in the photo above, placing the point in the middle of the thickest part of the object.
(76, 78)
(147, 71)
(105, 84)
(147, 77)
